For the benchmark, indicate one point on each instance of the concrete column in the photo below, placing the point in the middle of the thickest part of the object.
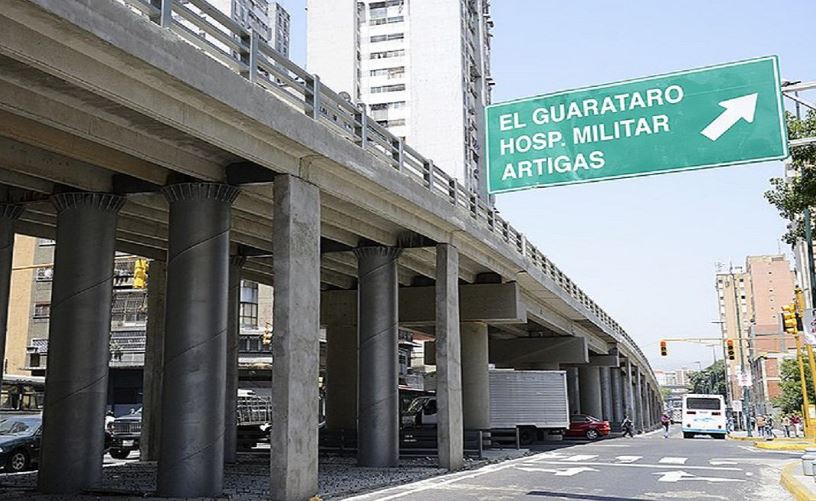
(149, 442)
(629, 392)
(618, 398)
(341, 377)
(378, 413)
(590, 382)
(295, 340)
(606, 393)
(191, 457)
(475, 376)
(641, 418)
(8, 214)
(449, 428)
(78, 342)
(647, 402)
(573, 390)
(233, 336)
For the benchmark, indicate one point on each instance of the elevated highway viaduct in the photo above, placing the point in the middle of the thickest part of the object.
(163, 129)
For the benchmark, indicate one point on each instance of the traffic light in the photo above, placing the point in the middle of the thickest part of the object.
(729, 349)
(140, 274)
(800, 301)
(789, 318)
(664, 348)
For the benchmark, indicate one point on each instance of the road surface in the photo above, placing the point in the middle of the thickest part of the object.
(644, 468)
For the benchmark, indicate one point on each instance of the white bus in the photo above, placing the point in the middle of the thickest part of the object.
(704, 415)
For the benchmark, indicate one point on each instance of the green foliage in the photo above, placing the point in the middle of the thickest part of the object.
(710, 380)
(790, 400)
(665, 393)
(792, 197)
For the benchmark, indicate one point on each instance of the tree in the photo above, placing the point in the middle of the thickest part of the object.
(791, 198)
(710, 380)
(790, 398)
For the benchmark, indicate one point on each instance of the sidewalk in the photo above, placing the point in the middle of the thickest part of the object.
(780, 443)
(801, 487)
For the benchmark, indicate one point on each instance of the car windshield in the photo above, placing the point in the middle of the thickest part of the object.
(19, 426)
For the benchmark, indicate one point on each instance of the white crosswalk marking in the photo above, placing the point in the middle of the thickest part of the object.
(671, 460)
(628, 459)
(580, 457)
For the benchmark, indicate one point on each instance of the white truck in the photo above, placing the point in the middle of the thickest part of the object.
(534, 402)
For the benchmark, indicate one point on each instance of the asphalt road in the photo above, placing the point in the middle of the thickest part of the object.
(644, 468)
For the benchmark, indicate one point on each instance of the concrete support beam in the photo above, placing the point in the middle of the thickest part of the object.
(79, 331)
(573, 390)
(378, 414)
(647, 403)
(606, 393)
(149, 442)
(191, 457)
(475, 376)
(296, 340)
(533, 351)
(341, 376)
(233, 337)
(590, 379)
(641, 418)
(629, 392)
(449, 427)
(618, 396)
(8, 214)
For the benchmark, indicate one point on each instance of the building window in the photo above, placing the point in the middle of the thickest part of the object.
(44, 274)
(387, 88)
(129, 307)
(387, 38)
(249, 304)
(387, 53)
(387, 20)
(399, 122)
(387, 106)
(42, 311)
(395, 72)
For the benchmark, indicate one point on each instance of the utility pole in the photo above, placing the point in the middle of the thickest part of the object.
(746, 391)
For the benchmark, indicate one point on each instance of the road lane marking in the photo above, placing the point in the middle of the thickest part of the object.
(580, 457)
(628, 459)
(673, 460)
(655, 466)
(559, 472)
(715, 462)
(674, 476)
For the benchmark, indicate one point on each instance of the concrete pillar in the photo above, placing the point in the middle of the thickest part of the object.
(606, 393)
(647, 402)
(573, 390)
(641, 418)
(475, 376)
(191, 457)
(295, 340)
(618, 398)
(149, 442)
(341, 377)
(378, 413)
(8, 214)
(78, 342)
(233, 337)
(629, 392)
(590, 382)
(449, 426)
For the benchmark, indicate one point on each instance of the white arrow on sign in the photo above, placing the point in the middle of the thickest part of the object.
(674, 476)
(743, 107)
(559, 472)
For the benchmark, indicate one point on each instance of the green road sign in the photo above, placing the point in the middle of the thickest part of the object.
(708, 117)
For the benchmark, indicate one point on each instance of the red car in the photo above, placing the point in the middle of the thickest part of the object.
(590, 427)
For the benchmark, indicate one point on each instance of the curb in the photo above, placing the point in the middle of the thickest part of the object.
(771, 446)
(800, 491)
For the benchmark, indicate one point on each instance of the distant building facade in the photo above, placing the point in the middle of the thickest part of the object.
(422, 67)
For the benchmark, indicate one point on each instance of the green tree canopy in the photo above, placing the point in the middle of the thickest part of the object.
(790, 400)
(710, 380)
(792, 197)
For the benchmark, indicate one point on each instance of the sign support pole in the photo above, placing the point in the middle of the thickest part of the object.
(805, 402)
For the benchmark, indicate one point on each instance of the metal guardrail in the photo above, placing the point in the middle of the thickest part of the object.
(240, 49)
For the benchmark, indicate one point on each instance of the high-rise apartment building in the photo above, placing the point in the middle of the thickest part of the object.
(268, 18)
(756, 295)
(421, 67)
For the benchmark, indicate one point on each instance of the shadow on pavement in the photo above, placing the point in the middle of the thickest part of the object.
(590, 497)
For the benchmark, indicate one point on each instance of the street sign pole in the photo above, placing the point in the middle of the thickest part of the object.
(746, 391)
(707, 117)
(805, 400)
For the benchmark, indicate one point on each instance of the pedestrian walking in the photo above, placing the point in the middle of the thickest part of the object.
(769, 423)
(786, 425)
(628, 428)
(760, 424)
(796, 421)
(665, 421)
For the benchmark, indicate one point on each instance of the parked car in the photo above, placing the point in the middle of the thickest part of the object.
(125, 433)
(19, 441)
(582, 425)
